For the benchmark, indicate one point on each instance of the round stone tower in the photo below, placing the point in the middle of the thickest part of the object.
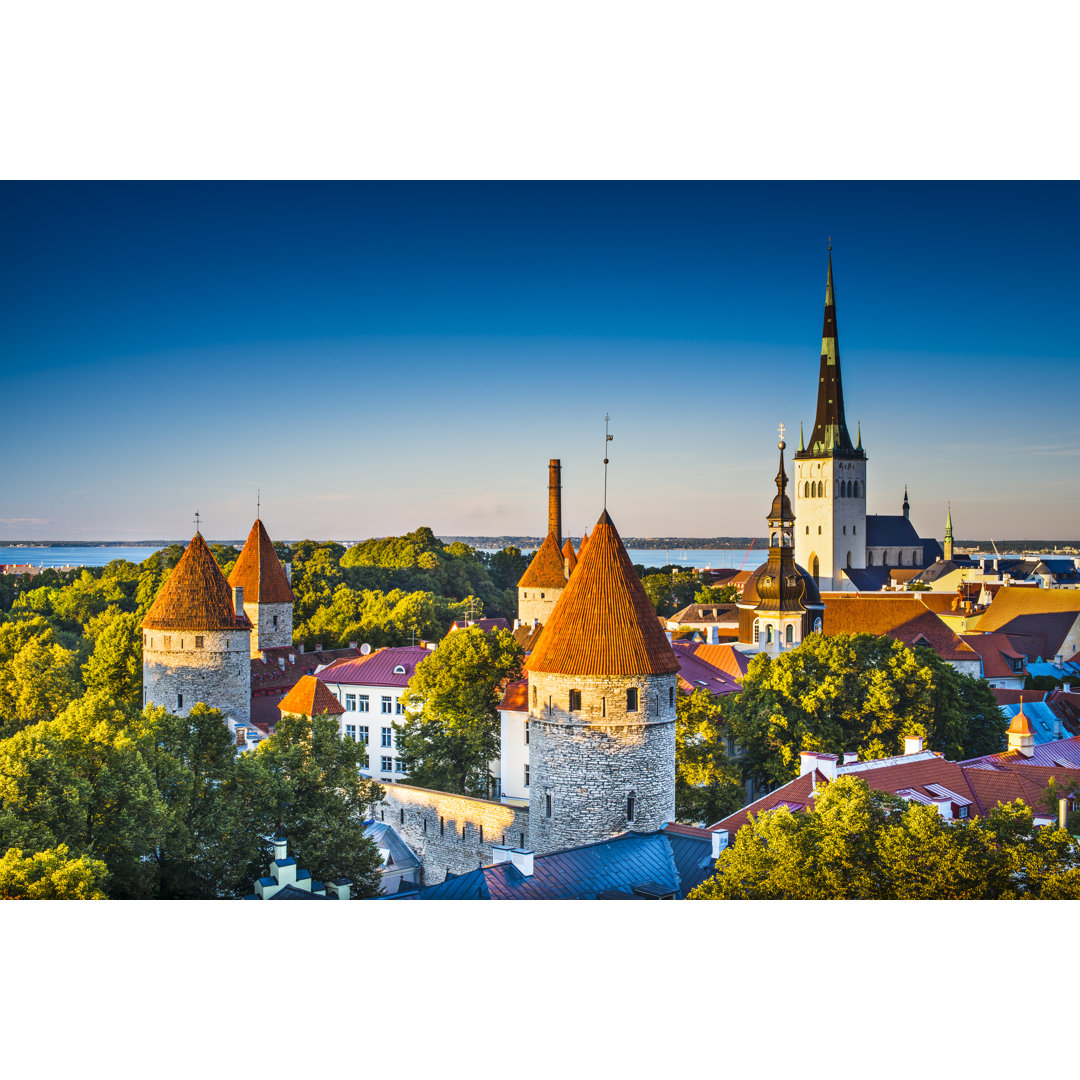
(545, 578)
(195, 644)
(268, 596)
(602, 684)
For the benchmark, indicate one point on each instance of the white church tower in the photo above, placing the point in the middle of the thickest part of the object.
(830, 475)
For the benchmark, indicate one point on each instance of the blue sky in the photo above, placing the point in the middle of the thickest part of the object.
(379, 356)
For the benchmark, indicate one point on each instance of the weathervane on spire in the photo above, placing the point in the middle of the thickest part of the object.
(258, 502)
(781, 429)
(607, 439)
(830, 243)
(197, 520)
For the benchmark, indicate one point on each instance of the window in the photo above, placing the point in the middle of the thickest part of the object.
(630, 807)
(768, 634)
(481, 830)
(275, 622)
(399, 669)
(399, 766)
(402, 812)
(534, 697)
(731, 745)
(526, 775)
(198, 641)
(179, 701)
(464, 828)
(547, 805)
(387, 736)
(807, 530)
(603, 706)
(817, 625)
(549, 705)
(387, 764)
(962, 812)
(442, 826)
(757, 631)
(789, 634)
(350, 702)
(387, 704)
(806, 490)
(168, 642)
(399, 709)
(350, 732)
(526, 732)
(671, 696)
(819, 530)
(363, 730)
(845, 530)
(869, 558)
(631, 699)
(364, 704)
(852, 530)
(575, 700)
(521, 842)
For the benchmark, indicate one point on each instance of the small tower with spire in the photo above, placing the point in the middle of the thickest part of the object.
(780, 603)
(545, 577)
(830, 473)
(948, 534)
(907, 506)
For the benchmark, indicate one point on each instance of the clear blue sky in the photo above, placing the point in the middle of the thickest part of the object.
(379, 356)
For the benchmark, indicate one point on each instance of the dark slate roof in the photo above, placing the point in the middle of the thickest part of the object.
(692, 853)
(290, 892)
(891, 530)
(869, 579)
(470, 886)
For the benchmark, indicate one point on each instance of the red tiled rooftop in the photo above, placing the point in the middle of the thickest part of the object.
(516, 696)
(259, 572)
(546, 570)
(310, 697)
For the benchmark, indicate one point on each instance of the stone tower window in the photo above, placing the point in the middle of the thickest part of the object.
(534, 697)
(168, 642)
(442, 826)
(575, 700)
(547, 804)
(630, 807)
(819, 530)
(671, 696)
(631, 699)
(603, 706)
(402, 812)
(198, 641)
(869, 558)
(526, 783)
(807, 530)
(179, 701)
(541, 596)
(526, 732)
(275, 622)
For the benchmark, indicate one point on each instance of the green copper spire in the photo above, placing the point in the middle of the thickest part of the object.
(802, 445)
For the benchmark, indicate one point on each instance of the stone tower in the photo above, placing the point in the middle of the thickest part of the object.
(780, 603)
(602, 683)
(545, 578)
(268, 597)
(830, 475)
(196, 639)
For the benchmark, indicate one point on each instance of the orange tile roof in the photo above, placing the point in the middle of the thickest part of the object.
(195, 595)
(568, 553)
(604, 623)
(725, 657)
(546, 569)
(259, 572)
(997, 651)
(581, 546)
(1049, 614)
(904, 618)
(310, 697)
(516, 696)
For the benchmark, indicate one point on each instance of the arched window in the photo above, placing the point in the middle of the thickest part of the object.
(900, 557)
(789, 634)
(757, 631)
(773, 540)
(817, 625)
(869, 558)
(849, 560)
(819, 530)
(820, 489)
(671, 696)
(807, 530)
(856, 489)
(575, 701)
(814, 568)
(768, 634)
(806, 490)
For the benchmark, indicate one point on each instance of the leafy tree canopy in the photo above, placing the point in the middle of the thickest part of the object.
(52, 874)
(708, 785)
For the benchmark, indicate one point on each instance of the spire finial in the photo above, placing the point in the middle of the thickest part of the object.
(802, 441)
(858, 445)
(198, 519)
(607, 439)
(781, 428)
(830, 243)
(258, 502)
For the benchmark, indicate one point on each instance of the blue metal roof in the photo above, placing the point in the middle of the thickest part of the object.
(290, 861)
(291, 892)
(1042, 719)
(693, 859)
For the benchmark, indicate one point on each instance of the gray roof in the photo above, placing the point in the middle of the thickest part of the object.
(384, 835)
(891, 530)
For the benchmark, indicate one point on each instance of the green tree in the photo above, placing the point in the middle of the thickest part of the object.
(115, 666)
(37, 684)
(716, 594)
(451, 733)
(304, 783)
(51, 875)
(708, 786)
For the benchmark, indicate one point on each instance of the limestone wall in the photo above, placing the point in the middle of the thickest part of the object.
(590, 761)
(212, 666)
(264, 634)
(451, 832)
(537, 603)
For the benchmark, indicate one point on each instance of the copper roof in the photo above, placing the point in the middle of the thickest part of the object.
(581, 546)
(310, 697)
(195, 595)
(259, 572)
(1021, 725)
(546, 569)
(569, 555)
(604, 623)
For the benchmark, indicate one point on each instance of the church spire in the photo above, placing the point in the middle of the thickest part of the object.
(948, 534)
(830, 435)
(907, 506)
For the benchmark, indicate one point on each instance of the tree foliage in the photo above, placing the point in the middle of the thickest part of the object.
(859, 844)
(451, 733)
(708, 785)
(52, 874)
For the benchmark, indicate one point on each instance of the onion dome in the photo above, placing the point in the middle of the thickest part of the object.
(195, 595)
(259, 572)
(604, 622)
(570, 556)
(546, 571)
(310, 697)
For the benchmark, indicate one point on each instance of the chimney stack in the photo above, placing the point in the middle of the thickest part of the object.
(913, 744)
(851, 757)
(1063, 812)
(238, 600)
(522, 861)
(719, 842)
(500, 853)
(714, 635)
(555, 500)
(339, 887)
(280, 848)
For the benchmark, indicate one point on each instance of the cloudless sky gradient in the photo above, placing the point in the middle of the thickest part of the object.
(379, 356)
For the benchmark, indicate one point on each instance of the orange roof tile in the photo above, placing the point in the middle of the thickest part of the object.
(604, 623)
(310, 697)
(1021, 725)
(546, 569)
(259, 572)
(568, 553)
(581, 546)
(516, 696)
(195, 595)
(903, 617)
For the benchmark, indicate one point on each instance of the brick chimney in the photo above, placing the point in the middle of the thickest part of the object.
(555, 499)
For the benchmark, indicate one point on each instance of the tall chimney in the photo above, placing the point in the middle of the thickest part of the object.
(555, 500)
(238, 600)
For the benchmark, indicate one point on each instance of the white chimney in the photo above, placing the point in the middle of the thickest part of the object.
(1059, 731)
(1066, 687)
(280, 848)
(851, 757)
(719, 842)
(826, 763)
(714, 635)
(500, 853)
(354, 644)
(522, 861)
(913, 744)
(238, 599)
(1059, 661)
(1063, 812)
(339, 887)
(944, 806)
(517, 624)
(807, 762)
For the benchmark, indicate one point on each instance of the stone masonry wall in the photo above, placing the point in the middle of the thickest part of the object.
(217, 673)
(451, 832)
(537, 603)
(264, 635)
(591, 760)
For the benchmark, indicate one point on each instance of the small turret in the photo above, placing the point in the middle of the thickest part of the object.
(948, 534)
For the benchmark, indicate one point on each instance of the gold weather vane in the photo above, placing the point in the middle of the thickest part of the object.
(781, 429)
(607, 439)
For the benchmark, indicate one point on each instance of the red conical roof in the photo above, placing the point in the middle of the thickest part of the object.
(581, 546)
(570, 555)
(546, 569)
(310, 697)
(195, 595)
(604, 623)
(259, 571)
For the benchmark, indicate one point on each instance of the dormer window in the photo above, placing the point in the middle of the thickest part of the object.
(399, 669)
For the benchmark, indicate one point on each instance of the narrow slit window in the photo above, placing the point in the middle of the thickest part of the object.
(631, 699)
